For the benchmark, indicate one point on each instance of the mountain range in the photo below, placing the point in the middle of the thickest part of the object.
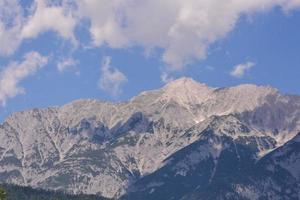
(185, 140)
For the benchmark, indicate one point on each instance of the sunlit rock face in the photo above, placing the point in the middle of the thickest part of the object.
(185, 137)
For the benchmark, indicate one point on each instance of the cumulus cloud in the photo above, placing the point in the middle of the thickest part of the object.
(111, 79)
(106, 21)
(42, 17)
(240, 70)
(65, 64)
(184, 30)
(10, 26)
(15, 72)
(45, 17)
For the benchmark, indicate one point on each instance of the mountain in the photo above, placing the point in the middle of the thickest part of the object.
(218, 166)
(185, 140)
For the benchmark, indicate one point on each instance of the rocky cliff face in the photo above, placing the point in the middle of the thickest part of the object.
(158, 141)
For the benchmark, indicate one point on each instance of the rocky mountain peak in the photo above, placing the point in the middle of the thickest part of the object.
(186, 83)
(186, 91)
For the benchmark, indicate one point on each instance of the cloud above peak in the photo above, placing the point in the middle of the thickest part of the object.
(182, 30)
(10, 26)
(15, 27)
(240, 69)
(111, 79)
(46, 17)
(67, 63)
(15, 72)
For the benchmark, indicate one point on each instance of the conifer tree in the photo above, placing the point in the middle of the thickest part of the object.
(2, 194)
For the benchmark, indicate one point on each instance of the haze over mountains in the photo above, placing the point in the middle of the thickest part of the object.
(183, 141)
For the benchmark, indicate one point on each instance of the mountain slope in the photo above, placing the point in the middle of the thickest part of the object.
(104, 148)
(217, 167)
(221, 151)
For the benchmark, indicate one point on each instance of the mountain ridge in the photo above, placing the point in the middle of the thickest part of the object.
(99, 147)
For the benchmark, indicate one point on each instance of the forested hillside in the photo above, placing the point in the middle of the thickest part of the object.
(26, 193)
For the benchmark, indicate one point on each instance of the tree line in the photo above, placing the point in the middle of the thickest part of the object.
(13, 192)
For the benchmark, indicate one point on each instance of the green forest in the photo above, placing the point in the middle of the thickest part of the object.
(12, 192)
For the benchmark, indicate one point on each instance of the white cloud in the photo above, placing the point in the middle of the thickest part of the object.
(65, 64)
(105, 17)
(10, 26)
(49, 18)
(240, 70)
(42, 17)
(165, 77)
(292, 4)
(15, 72)
(111, 79)
(184, 30)
(9, 40)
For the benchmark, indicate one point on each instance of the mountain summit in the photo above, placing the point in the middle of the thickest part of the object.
(186, 91)
(158, 142)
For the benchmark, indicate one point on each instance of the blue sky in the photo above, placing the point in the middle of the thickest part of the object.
(103, 57)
